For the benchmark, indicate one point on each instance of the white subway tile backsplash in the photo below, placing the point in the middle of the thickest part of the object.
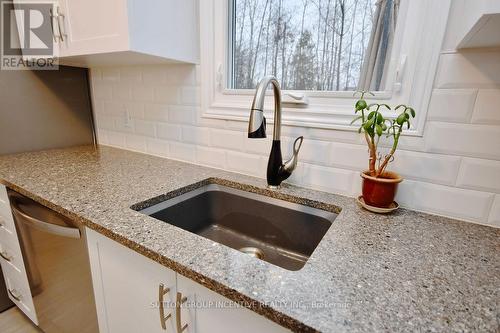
(295, 178)
(157, 147)
(154, 75)
(227, 139)
(168, 131)
(258, 146)
(110, 74)
(166, 94)
(196, 135)
(105, 122)
(474, 69)
(101, 91)
(102, 136)
(453, 105)
(114, 108)
(487, 108)
(211, 156)
(145, 128)
(349, 156)
(190, 95)
(312, 151)
(123, 125)
(142, 93)
(181, 114)
(438, 169)
(494, 218)
(444, 200)
(465, 140)
(95, 74)
(135, 110)
(122, 92)
(116, 139)
(135, 142)
(480, 174)
(183, 152)
(245, 163)
(158, 112)
(328, 179)
(452, 170)
(131, 74)
(184, 75)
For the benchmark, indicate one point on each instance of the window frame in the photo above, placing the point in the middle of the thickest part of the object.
(418, 41)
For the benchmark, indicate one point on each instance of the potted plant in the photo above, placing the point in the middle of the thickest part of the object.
(379, 185)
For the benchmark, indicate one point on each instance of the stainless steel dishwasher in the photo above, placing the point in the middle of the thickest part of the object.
(57, 264)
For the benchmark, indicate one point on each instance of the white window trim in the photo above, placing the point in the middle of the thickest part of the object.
(420, 43)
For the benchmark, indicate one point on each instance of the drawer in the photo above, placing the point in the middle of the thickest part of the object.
(19, 292)
(6, 218)
(10, 254)
(7, 224)
(7, 228)
(4, 198)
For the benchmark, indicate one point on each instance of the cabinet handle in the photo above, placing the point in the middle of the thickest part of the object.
(180, 300)
(52, 21)
(11, 293)
(60, 24)
(162, 291)
(4, 255)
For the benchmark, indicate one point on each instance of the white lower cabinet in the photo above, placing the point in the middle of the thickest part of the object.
(209, 312)
(128, 292)
(126, 288)
(11, 260)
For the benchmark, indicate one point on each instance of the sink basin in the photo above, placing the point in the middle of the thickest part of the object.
(277, 231)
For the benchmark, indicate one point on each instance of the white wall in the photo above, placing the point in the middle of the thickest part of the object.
(453, 170)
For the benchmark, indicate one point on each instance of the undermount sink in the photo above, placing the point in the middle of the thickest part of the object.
(277, 231)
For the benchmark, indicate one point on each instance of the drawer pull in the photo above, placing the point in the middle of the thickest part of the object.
(180, 300)
(162, 291)
(13, 294)
(4, 255)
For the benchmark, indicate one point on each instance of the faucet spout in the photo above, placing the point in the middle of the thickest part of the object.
(277, 171)
(257, 123)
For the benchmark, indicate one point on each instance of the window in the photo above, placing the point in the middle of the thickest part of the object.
(323, 49)
(310, 45)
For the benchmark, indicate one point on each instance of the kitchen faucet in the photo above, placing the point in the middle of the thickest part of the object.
(277, 171)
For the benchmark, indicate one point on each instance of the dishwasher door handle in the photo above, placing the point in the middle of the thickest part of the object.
(47, 227)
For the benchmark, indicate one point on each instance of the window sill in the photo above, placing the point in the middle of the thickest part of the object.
(311, 117)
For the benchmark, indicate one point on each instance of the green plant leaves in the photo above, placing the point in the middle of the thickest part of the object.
(376, 124)
(401, 119)
(361, 105)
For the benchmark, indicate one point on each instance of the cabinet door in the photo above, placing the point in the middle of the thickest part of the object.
(126, 287)
(20, 11)
(208, 312)
(93, 26)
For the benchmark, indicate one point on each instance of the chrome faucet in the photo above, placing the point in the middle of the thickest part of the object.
(277, 171)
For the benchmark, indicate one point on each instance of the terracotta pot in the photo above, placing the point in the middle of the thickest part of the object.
(380, 191)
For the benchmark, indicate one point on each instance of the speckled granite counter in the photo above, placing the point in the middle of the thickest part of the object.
(405, 272)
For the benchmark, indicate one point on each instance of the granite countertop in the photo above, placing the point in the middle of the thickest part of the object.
(403, 272)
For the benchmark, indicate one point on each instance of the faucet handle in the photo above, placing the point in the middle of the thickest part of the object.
(291, 164)
(296, 147)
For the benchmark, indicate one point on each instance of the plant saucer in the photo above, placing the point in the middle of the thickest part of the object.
(379, 210)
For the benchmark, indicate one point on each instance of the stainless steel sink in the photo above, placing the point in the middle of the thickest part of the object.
(277, 231)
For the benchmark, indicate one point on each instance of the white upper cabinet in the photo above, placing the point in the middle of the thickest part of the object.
(124, 32)
(482, 24)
